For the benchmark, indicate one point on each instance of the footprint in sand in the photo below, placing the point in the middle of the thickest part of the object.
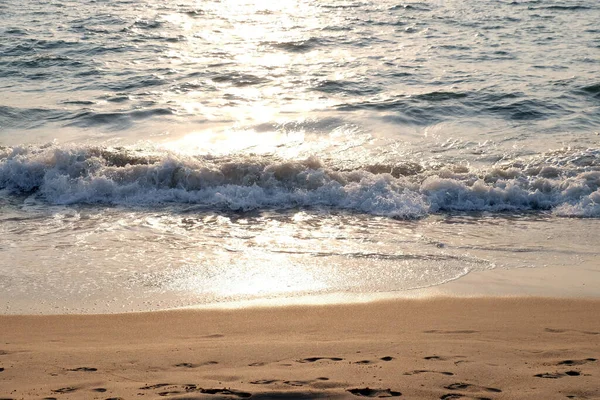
(65, 390)
(451, 396)
(314, 359)
(465, 331)
(572, 373)
(423, 371)
(552, 330)
(289, 383)
(368, 392)
(179, 389)
(441, 358)
(470, 387)
(84, 369)
(556, 375)
(99, 390)
(227, 392)
(264, 381)
(190, 365)
(185, 365)
(1, 369)
(577, 362)
(365, 362)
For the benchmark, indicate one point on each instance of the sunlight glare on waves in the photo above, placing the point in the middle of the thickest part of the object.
(261, 5)
(250, 25)
(234, 141)
(253, 273)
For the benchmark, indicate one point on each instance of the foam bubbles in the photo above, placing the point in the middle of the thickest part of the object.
(565, 183)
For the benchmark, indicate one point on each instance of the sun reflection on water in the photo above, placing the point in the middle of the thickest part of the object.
(235, 141)
(250, 42)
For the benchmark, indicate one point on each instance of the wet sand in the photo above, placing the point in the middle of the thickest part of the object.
(437, 348)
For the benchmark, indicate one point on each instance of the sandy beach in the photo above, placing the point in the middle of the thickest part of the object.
(437, 348)
(228, 199)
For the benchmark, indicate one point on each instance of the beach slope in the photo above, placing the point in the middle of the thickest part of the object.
(440, 348)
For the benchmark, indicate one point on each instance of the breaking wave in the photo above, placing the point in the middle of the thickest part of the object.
(565, 182)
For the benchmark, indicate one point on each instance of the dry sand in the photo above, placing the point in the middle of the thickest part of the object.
(440, 348)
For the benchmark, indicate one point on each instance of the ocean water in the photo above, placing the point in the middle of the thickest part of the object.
(162, 154)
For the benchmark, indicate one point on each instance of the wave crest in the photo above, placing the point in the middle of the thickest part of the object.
(566, 182)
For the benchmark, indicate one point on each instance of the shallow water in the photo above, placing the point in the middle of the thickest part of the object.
(157, 155)
(99, 259)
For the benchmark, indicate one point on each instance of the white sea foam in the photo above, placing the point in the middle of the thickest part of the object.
(566, 182)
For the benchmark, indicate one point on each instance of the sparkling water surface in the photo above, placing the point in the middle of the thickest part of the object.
(158, 154)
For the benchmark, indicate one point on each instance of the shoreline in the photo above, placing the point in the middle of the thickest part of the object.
(526, 333)
(480, 347)
(559, 282)
(579, 282)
